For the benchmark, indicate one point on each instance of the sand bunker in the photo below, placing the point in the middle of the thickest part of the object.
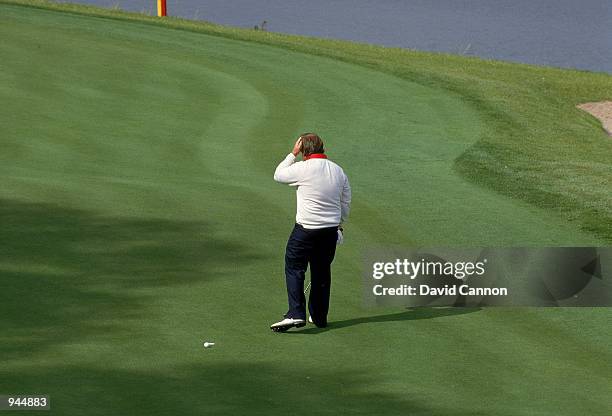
(602, 111)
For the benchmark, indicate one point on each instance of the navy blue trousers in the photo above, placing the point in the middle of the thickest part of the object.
(316, 248)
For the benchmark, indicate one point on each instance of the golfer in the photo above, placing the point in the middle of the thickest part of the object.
(323, 202)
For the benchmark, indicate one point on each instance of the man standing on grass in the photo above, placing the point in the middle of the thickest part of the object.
(323, 202)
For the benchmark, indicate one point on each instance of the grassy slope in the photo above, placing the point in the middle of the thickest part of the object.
(133, 158)
(536, 146)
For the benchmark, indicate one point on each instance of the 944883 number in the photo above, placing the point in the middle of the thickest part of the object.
(21, 402)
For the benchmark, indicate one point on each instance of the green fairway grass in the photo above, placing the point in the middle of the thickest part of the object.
(139, 218)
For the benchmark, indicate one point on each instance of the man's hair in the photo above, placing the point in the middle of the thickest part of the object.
(311, 143)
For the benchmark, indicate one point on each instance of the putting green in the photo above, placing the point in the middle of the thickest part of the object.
(139, 218)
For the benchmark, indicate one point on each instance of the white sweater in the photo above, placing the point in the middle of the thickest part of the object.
(323, 191)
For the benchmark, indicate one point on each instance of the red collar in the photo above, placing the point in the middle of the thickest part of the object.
(316, 156)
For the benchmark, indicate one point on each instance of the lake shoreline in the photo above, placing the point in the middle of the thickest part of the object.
(556, 33)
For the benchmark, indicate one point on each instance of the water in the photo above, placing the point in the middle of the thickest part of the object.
(562, 33)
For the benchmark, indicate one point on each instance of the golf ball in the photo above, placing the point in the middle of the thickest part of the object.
(208, 344)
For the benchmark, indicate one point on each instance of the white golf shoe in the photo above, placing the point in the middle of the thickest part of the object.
(287, 324)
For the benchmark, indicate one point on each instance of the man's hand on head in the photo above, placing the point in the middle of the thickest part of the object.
(297, 147)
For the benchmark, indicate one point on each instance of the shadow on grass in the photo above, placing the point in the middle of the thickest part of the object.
(410, 315)
(221, 388)
(66, 274)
